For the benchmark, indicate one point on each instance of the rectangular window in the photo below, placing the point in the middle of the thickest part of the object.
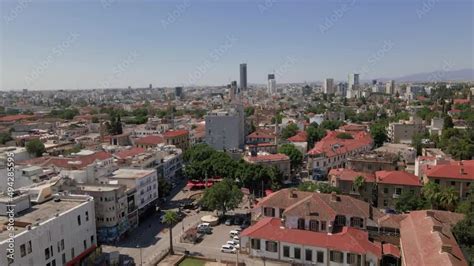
(92, 239)
(72, 253)
(255, 244)
(398, 191)
(22, 250)
(336, 256)
(64, 258)
(28, 247)
(85, 244)
(62, 244)
(87, 216)
(301, 224)
(385, 190)
(351, 258)
(314, 225)
(271, 246)
(79, 220)
(308, 255)
(320, 256)
(53, 263)
(269, 212)
(297, 252)
(286, 251)
(46, 254)
(323, 225)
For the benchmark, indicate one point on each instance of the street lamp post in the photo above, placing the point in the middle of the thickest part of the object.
(141, 259)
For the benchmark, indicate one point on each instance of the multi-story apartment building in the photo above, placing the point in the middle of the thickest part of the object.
(279, 160)
(111, 210)
(391, 184)
(403, 131)
(145, 181)
(332, 151)
(60, 231)
(371, 162)
(456, 174)
(225, 129)
(178, 138)
(343, 179)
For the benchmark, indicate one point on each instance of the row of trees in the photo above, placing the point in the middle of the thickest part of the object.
(432, 197)
(203, 161)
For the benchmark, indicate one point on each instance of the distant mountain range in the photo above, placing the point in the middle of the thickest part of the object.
(441, 75)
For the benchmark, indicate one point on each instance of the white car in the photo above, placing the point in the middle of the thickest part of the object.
(233, 233)
(236, 239)
(233, 243)
(203, 226)
(228, 249)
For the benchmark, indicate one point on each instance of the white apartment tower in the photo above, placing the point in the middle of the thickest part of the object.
(271, 84)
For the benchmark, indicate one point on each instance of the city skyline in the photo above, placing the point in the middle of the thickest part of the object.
(119, 43)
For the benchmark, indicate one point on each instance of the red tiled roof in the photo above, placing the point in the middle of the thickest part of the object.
(350, 175)
(397, 178)
(457, 170)
(129, 153)
(301, 136)
(268, 157)
(461, 101)
(12, 118)
(422, 236)
(175, 133)
(261, 133)
(150, 140)
(77, 162)
(331, 145)
(353, 127)
(389, 249)
(349, 240)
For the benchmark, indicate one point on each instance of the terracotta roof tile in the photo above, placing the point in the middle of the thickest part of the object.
(397, 178)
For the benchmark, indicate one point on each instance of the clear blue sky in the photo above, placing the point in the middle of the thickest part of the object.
(67, 44)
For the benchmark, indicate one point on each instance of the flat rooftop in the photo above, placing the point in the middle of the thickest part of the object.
(40, 213)
(97, 188)
(132, 173)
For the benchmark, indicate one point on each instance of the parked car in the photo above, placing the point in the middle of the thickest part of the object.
(233, 233)
(205, 230)
(228, 249)
(236, 239)
(233, 243)
(245, 224)
(236, 221)
(228, 221)
(204, 225)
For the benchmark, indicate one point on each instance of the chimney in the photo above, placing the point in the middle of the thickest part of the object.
(430, 214)
(461, 171)
(447, 248)
(334, 196)
(293, 194)
(437, 228)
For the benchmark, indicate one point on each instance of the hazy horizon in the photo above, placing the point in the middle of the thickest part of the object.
(120, 43)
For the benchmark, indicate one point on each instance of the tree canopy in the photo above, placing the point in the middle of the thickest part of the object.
(289, 131)
(222, 196)
(296, 157)
(35, 147)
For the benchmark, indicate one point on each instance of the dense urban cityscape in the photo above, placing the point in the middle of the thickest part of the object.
(359, 170)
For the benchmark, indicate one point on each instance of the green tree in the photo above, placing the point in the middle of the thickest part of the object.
(464, 229)
(35, 147)
(331, 124)
(416, 142)
(449, 198)
(170, 218)
(5, 137)
(431, 192)
(222, 196)
(344, 135)
(289, 131)
(322, 187)
(448, 122)
(379, 134)
(314, 134)
(359, 183)
(296, 157)
(409, 201)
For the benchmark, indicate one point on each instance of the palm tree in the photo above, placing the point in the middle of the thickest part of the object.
(359, 182)
(449, 198)
(170, 218)
(431, 192)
